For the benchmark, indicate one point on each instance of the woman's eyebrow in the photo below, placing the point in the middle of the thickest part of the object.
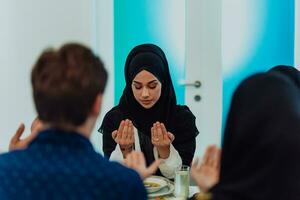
(153, 81)
(137, 82)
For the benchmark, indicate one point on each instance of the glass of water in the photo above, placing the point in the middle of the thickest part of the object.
(182, 182)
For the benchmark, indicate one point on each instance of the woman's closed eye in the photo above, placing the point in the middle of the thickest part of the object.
(152, 85)
(137, 86)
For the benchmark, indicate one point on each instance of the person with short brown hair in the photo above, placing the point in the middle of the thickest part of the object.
(61, 163)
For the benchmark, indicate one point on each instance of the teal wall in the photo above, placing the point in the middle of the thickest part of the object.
(265, 38)
(150, 21)
(256, 35)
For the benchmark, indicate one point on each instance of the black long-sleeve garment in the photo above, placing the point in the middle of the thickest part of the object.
(262, 139)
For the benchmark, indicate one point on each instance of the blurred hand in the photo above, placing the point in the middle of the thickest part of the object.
(36, 126)
(161, 139)
(206, 173)
(124, 136)
(136, 160)
(17, 143)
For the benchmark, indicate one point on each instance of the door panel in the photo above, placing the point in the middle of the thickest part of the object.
(203, 64)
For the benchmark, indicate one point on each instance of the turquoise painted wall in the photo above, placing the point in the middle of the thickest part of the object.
(150, 21)
(257, 35)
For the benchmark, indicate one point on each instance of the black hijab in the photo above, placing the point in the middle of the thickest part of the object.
(262, 141)
(289, 71)
(178, 119)
(152, 59)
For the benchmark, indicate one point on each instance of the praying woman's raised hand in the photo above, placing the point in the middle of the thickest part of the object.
(161, 139)
(124, 136)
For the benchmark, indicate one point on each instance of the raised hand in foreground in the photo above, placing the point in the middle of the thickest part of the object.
(206, 172)
(17, 143)
(136, 160)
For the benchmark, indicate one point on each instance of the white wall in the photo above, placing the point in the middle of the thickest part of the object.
(103, 44)
(28, 27)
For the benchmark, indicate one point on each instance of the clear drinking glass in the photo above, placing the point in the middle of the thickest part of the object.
(182, 182)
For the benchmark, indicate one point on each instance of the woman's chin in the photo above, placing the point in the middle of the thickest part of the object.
(147, 106)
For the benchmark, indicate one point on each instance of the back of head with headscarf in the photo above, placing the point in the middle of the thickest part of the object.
(289, 71)
(262, 141)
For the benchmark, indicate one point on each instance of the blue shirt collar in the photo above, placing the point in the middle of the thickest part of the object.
(60, 137)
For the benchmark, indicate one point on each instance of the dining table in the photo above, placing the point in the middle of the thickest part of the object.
(192, 190)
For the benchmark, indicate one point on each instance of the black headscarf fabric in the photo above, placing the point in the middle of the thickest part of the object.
(152, 59)
(178, 120)
(262, 141)
(289, 71)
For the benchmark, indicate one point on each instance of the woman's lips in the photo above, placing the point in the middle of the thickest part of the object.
(146, 102)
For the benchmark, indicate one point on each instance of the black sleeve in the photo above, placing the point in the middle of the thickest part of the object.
(109, 144)
(185, 132)
(186, 150)
(110, 123)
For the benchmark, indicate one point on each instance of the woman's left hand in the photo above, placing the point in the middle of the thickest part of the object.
(161, 139)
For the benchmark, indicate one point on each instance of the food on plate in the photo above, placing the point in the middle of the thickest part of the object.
(151, 184)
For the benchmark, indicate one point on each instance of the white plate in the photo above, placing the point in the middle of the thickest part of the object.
(168, 189)
(160, 181)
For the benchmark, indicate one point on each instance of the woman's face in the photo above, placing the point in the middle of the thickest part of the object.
(146, 89)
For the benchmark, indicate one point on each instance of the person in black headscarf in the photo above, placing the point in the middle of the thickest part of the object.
(148, 117)
(289, 71)
(261, 143)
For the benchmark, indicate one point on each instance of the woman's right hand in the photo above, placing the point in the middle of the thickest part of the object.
(124, 136)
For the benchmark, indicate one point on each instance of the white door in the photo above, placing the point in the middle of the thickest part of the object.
(203, 64)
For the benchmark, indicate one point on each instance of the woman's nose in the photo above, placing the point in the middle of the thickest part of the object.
(145, 92)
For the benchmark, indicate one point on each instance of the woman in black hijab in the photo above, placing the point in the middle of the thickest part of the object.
(148, 117)
(261, 142)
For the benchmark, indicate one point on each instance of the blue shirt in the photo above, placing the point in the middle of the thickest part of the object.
(64, 165)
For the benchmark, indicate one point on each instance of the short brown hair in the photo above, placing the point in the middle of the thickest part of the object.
(65, 84)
